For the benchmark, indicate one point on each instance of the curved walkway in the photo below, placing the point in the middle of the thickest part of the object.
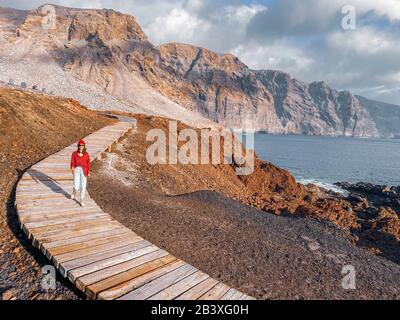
(103, 258)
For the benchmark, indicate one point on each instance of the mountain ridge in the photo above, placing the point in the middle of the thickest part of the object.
(109, 50)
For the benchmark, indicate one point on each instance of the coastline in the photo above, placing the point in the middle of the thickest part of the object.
(329, 160)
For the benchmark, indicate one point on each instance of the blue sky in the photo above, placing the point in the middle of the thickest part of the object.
(302, 37)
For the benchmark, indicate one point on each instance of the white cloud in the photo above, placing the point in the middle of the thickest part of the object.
(278, 56)
(205, 24)
(389, 8)
(364, 41)
(178, 26)
(194, 5)
(242, 14)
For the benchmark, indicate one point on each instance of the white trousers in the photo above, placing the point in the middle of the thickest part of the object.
(80, 182)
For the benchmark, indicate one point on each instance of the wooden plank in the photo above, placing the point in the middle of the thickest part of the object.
(93, 290)
(33, 195)
(61, 226)
(34, 188)
(41, 196)
(58, 225)
(38, 239)
(149, 289)
(128, 239)
(57, 215)
(232, 294)
(32, 182)
(50, 170)
(215, 293)
(54, 203)
(199, 290)
(68, 205)
(80, 238)
(73, 228)
(61, 221)
(44, 165)
(182, 286)
(31, 208)
(78, 232)
(53, 174)
(43, 203)
(94, 277)
(71, 205)
(103, 264)
(80, 262)
(67, 210)
(77, 246)
(53, 171)
(53, 178)
(45, 191)
(33, 232)
(37, 186)
(48, 219)
(128, 286)
(24, 208)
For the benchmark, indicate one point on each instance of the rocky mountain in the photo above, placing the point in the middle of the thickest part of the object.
(109, 52)
(385, 115)
(82, 56)
(227, 91)
(316, 108)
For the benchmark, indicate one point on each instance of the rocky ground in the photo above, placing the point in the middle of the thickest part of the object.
(32, 127)
(378, 210)
(264, 234)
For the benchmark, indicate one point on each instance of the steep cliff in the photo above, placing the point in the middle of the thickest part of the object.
(110, 51)
(224, 89)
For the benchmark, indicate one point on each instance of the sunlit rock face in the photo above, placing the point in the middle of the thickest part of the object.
(109, 50)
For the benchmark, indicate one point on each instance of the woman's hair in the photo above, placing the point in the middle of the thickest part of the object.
(84, 150)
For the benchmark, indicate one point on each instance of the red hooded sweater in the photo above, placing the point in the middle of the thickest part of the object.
(83, 162)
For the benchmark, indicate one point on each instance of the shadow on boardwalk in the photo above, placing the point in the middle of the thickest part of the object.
(26, 243)
(42, 178)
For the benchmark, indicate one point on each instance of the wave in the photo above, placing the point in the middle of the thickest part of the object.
(323, 184)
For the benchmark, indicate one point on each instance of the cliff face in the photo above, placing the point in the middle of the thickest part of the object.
(109, 49)
(94, 56)
(385, 115)
(220, 87)
(316, 108)
(226, 90)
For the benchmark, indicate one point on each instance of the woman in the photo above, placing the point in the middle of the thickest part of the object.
(80, 166)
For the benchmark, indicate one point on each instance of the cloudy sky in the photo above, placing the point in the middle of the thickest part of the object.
(302, 37)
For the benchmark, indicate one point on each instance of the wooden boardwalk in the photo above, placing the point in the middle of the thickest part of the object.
(103, 258)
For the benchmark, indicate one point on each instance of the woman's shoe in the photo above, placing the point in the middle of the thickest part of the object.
(73, 196)
(83, 204)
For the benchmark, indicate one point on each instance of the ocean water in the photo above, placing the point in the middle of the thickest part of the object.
(326, 160)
